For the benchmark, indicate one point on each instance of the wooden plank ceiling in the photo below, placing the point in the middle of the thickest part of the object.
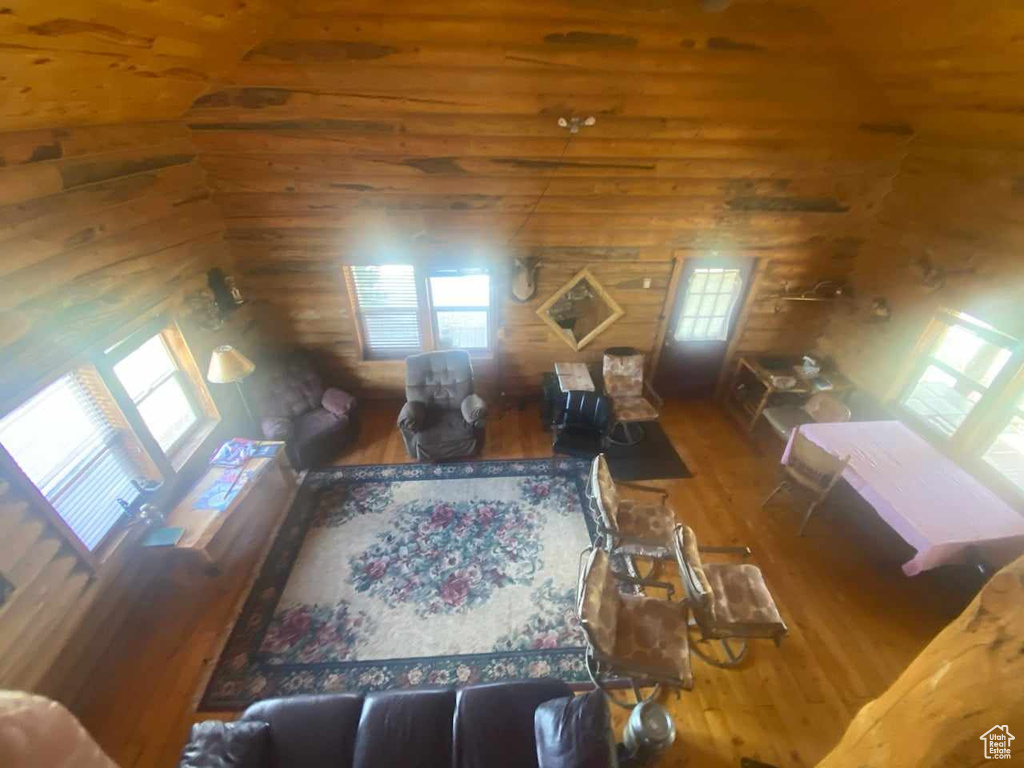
(73, 62)
(350, 131)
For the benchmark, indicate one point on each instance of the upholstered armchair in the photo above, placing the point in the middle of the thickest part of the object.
(315, 421)
(442, 417)
(633, 399)
(644, 639)
(729, 601)
(633, 526)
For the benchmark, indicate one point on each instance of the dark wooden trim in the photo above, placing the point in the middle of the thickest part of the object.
(667, 312)
(105, 366)
(757, 274)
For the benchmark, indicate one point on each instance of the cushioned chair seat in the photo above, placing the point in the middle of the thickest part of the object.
(444, 435)
(442, 418)
(296, 407)
(649, 522)
(783, 419)
(651, 635)
(633, 409)
(743, 603)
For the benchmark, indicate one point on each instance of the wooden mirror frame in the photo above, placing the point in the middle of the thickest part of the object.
(583, 274)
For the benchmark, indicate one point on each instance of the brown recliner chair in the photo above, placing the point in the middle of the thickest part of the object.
(442, 418)
(315, 422)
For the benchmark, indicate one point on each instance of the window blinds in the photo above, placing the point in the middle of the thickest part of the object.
(65, 445)
(388, 309)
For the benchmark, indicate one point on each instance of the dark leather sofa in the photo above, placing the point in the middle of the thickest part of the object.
(523, 724)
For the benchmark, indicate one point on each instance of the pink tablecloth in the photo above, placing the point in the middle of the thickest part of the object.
(935, 505)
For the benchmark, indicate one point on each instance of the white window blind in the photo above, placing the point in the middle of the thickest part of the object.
(67, 448)
(388, 309)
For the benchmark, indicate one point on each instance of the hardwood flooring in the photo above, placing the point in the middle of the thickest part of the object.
(855, 621)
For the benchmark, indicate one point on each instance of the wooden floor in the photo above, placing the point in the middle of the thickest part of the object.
(855, 621)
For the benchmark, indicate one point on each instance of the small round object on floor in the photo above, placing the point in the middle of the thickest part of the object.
(649, 733)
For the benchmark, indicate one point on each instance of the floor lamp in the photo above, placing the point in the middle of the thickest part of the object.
(229, 366)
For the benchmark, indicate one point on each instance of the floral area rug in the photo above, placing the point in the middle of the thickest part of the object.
(398, 576)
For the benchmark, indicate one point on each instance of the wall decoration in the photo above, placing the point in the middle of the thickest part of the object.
(524, 278)
(580, 311)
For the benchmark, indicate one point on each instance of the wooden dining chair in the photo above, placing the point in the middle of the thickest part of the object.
(811, 468)
(821, 408)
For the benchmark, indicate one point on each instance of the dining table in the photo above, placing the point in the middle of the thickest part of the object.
(938, 507)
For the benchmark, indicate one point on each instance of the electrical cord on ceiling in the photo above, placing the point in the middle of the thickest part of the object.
(540, 197)
(511, 240)
(573, 125)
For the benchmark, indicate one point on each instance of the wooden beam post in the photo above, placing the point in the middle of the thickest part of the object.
(967, 680)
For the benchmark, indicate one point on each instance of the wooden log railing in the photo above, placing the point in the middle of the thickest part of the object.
(966, 681)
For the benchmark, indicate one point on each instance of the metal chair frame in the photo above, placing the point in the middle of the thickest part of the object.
(601, 668)
(633, 432)
(709, 633)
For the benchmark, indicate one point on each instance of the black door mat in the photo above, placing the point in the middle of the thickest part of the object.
(653, 458)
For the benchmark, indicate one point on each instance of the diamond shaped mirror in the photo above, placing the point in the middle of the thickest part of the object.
(580, 310)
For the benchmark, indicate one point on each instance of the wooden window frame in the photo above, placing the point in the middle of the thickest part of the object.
(188, 374)
(989, 416)
(39, 504)
(425, 314)
(120, 409)
(477, 352)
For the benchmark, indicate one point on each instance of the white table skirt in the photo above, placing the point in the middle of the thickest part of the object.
(934, 504)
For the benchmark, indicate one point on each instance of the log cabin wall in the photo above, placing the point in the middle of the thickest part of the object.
(353, 136)
(101, 227)
(958, 203)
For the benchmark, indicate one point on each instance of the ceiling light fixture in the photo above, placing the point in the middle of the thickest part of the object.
(575, 123)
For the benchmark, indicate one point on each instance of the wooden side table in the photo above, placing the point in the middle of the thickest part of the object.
(219, 505)
(749, 407)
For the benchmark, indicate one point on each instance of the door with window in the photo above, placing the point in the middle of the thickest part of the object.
(708, 301)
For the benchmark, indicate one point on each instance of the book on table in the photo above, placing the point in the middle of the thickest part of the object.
(574, 377)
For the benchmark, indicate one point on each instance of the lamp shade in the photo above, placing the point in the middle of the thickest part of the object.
(228, 365)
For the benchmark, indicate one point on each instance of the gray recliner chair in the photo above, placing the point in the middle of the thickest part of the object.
(442, 418)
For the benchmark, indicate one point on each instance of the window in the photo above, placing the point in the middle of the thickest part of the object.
(75, 456)
(1006, 454)
(460, 302)
(957, 373)
(388, 308)
(401, 310)
(711, 296)
(160, 392)
(967, 388)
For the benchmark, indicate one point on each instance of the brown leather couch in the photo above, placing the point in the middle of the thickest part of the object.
(522, 724)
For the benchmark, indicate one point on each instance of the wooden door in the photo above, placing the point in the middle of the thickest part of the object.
(708, 299)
